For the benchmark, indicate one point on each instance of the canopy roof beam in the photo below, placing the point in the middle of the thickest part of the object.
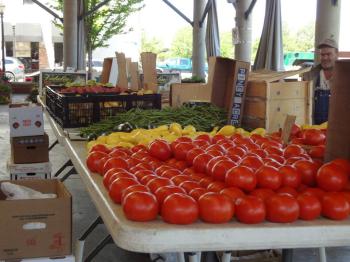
(48, 10)
(94, 9)
(179, 12)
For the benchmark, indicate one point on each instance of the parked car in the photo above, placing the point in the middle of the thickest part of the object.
(16, 67)
(183, 65)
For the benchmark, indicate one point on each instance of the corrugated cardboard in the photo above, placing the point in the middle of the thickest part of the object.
(47, 259)
(338, 132)
(180, 93)
(26, 120)
(106, 70)
(13, 168)
(30, 176)
(30, 149)
(53, 240)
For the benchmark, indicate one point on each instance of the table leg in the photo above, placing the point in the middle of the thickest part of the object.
(53, 145)
(322, 254)
(226, 256)
(180, 257)
(67, 164)
(79, 247)
(287, 255)
(194, 256)
(107, 240)
(72, 171)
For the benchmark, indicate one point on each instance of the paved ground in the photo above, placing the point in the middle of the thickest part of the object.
(84, 211)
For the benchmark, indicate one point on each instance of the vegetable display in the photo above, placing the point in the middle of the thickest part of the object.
(203, 118)
(222, 178)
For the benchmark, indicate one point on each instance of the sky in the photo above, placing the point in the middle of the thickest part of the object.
(159, 20)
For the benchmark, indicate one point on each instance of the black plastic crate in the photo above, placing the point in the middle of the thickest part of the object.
(72, 111)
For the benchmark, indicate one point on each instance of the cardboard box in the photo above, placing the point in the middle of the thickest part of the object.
(13, 168)
(270, 98)
(26, 120)
(222, 80)
(52, 217)
(30, 149)
(28, 176)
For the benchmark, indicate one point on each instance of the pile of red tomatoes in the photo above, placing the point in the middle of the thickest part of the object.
(216, 179)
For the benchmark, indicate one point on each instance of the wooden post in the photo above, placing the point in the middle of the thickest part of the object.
(106, 70)
(122, 77)
(148, 61)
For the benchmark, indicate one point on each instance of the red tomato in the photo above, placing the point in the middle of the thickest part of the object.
(250, 210)
(282, 209)
(273, 150)
(239, 151)
(189, 171)
(233, 193)
(93, 159)
(214, 153)
(179, 209)
(100, 148)
(317, 151)
(118, 153)
(212, 162)
(140, 206)
(335, 206)
(215, 147)
(145, 166)
(140, 154)
(205, 181)
(262, 193)
(277, 158)
(290, 176)
(252, 162)
(159, 170)
(134, 188)
(200, 162)
(221, 168)
(160, 149)
(198, 192)
(259, 152)
(141, 173)
(215, 208)
(344, 163)
(216, 186)
(204, 137)
(132, 161)
(308, 171)
(181, 150)
(183, 139)
(268, 177)
(272, 162)
(217, 138)
(115, 162)
(170, 173)
(138, 148)
(189, 185)
(293, 150)
(112, 175)
(200, 143)
(118, 186)
(310, 207)
(314, 191)
(287, 190)
(331, 177)
(165, 191)
(177, 180)
(101, 163)
(192, 154)
(242, 177)
(145, 179)
(180, 164)
(314, 137)
(158, 182)
(235, 158)
(271, 143)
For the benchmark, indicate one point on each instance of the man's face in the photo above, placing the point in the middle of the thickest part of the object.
(328, 57)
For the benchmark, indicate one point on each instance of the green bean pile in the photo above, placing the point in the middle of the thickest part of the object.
(202, 117)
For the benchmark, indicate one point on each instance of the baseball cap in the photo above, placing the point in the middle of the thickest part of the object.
(328, 42)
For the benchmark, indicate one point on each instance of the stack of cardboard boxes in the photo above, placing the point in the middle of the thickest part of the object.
(29, 143)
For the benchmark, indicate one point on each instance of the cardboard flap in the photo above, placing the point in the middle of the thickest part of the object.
(271, 76)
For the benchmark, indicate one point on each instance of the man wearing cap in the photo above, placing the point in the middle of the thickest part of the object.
(322, 76)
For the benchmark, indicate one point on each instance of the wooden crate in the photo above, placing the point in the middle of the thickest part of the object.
(270, 97)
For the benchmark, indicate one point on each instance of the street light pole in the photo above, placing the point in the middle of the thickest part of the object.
(2, 8)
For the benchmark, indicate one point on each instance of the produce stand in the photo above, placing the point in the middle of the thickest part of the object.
(159, 237)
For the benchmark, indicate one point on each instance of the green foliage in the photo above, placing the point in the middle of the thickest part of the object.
(226, 46)
(301, 40)
(181, 45)
(154, 45)
(107, 21)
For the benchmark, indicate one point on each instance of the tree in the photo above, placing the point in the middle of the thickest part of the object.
(153, 45)
(226, 46)
(181, 45)
(106, 22)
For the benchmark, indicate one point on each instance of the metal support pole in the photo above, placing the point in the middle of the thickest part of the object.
(226, 256)
(287, 255)
(3, 42)
(243, 31)
(198, 45)
(327, 22)
(70, 29)
(192, 257)
(14, 40)
(322, 254)
(107, 240)
(72, 171)
(180, 257)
